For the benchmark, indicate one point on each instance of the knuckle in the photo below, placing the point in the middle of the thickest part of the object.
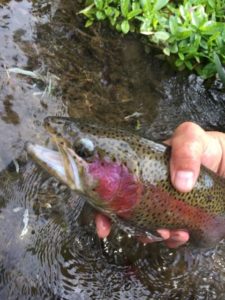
(188, 129)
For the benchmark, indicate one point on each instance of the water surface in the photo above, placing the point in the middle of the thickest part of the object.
(49, 248)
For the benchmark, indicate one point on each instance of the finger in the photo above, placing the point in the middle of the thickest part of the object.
(187, 149)
(164, 233)
(173, 238)
(177, 238)
(103, 225)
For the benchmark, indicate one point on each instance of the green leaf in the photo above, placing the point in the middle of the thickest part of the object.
(116, 15)
(173, 48)
(146, 27)
(181, 56)
(197, 57)
(109, 11)
(183, 34)
(182, 12)
(135, 6)
(212, 3)
(208, 71)
(211, 27)
(118, 27)
(147, 6)
(125, 5)
(188, 64)
(89, 22)
(100, 15)
(87, 11)
(219, 68)
(99, 4)
(192, 30)
(134, 13)
(162, 35)
(179, 64)
(160, 4)
(125, 27)
(166, 51)
(173, 25)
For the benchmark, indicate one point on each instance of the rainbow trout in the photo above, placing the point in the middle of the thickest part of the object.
(127, 178)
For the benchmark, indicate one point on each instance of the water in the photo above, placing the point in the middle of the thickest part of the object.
(49, 248)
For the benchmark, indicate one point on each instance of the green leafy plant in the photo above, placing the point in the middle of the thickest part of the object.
(189, 32)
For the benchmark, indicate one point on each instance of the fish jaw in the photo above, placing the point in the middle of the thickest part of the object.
(54, 163)
(109, 185)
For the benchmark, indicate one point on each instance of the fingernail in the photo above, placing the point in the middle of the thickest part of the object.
(184, 180)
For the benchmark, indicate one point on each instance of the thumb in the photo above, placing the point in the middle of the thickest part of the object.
(187, 149)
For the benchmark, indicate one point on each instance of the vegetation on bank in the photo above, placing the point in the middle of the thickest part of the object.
(191, 33)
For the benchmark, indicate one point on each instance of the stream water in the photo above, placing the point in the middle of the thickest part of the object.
(48, 245)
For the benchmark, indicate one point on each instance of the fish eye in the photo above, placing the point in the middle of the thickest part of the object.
(84, 147)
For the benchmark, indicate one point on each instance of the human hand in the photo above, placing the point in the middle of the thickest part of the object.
(191, 147)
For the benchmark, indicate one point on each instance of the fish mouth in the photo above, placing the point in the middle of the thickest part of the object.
(64, 164)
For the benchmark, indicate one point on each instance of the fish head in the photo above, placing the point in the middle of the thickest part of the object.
(91, 162)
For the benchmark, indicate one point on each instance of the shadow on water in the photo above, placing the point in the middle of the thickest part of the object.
(49, 248)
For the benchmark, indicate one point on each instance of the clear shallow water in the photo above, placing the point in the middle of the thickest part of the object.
(104, 77)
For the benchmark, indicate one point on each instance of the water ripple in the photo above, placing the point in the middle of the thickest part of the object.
(61, 257)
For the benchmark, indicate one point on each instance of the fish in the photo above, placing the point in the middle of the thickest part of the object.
(126, 177)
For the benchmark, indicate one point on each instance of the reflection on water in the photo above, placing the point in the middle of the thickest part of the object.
(186, 98)
(60, 256)
(21, 104)
(10, 115)
(105, 77)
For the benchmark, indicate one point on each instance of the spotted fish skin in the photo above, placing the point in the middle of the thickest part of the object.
(131, 179)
